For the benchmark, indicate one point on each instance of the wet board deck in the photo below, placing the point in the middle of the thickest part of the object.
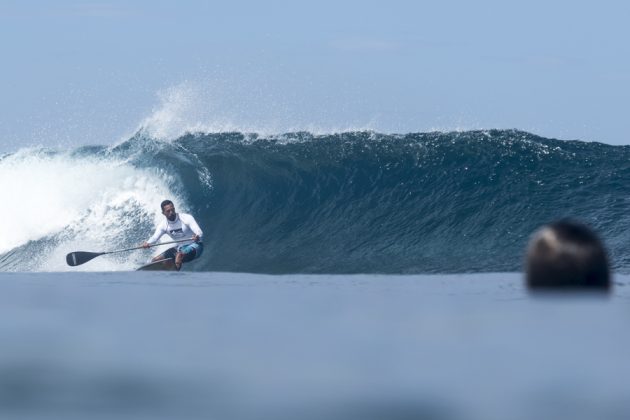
(167, 264)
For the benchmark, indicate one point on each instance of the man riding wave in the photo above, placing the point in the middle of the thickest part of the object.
(177, 226)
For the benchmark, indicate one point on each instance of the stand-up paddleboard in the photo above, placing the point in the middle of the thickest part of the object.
(167, 264)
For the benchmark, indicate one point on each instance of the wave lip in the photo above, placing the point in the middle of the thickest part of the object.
(349, 202)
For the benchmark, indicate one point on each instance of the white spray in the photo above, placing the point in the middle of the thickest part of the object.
(84, 203)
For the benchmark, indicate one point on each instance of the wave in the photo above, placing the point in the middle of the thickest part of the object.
(303, 203)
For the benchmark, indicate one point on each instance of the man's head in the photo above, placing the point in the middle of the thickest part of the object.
(168, 210)
(567, 255)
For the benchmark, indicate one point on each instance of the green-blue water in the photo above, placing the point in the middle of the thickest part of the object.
(358, 202)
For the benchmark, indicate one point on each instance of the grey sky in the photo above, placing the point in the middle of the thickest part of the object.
(77, 72)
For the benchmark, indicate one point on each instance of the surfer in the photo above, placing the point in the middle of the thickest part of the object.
(177, 226)
(567, 255)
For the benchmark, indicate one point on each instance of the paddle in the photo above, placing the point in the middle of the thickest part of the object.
(81, 257)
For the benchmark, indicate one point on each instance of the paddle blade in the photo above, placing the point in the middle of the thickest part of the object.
(81, 257)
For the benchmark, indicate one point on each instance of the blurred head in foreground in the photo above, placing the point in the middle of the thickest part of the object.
(567, 255)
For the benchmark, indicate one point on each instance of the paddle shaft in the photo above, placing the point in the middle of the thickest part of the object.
(150, 246)
(81, 257)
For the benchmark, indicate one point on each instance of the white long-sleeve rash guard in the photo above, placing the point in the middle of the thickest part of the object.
(184, 226)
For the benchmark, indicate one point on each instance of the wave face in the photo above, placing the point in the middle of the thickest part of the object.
(303, 203)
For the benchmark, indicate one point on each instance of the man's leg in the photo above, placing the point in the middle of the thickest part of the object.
(185, 254)
(179, 259)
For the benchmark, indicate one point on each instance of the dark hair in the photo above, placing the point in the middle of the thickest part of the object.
(564, 255)
(165, 203)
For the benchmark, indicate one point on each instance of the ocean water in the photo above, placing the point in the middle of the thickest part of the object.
(249, 346)
(355, 275)
(353, 202)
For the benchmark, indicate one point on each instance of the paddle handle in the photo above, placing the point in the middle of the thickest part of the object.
(150, 246)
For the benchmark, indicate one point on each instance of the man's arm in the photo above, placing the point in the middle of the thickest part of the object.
(159, 231)
(192, 223)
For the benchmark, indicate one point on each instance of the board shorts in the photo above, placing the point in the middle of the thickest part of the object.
(190, 251)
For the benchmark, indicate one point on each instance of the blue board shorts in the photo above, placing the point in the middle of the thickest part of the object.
(190, 251)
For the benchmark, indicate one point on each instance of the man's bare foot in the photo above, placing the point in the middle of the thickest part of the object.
(179, 258)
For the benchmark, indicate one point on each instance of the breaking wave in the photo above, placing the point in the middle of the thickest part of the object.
(304, 203)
